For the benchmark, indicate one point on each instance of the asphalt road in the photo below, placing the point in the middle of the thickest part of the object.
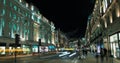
(38, 59)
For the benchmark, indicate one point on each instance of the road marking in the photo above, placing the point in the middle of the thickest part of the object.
(76, 61)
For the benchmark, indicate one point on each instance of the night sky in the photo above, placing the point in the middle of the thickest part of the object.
(70, 16)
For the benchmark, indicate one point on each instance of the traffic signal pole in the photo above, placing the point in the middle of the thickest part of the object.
(39, 44)
(15, 54)
(17, 39)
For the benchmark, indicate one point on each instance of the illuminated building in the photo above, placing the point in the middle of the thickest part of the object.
(103, 29)
(19, 17)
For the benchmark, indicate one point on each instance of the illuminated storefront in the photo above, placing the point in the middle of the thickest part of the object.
(114, 45)
(35, 49)
(2, 50)
(26, 49)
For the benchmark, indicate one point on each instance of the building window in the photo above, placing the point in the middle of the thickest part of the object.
(117, 10)
(1, 26)
(32, 8)
(10, 15)
(105, 4)
(26, 4)
(111, 18)
(4, 2)
(15, 8)
(119, 36)
(110, 1)
(108, 20)
(14, 16)
(2, 12)
(113, 38)
(114, 16)
(32, 17)
(20, 0)
(105, 24)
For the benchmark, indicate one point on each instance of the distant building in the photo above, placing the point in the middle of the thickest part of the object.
(62, 39)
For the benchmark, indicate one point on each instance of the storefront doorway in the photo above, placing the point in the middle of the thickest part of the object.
(114, 45)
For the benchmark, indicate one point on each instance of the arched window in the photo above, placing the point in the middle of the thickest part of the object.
(2, 12)
(117, 10)
(14, 16)
(1, 26)
(3, 1)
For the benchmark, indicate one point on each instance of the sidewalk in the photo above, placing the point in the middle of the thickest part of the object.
(91, 59)
(116, 60)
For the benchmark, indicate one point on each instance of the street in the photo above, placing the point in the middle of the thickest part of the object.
(38, 59)
(55, 58)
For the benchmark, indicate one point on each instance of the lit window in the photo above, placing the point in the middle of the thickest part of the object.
(38, 20)
(15, 8)
(110, 1)
(106, 3)
(14, 16)
(111, 19)
(20, 0)
(105, 24)
(119, 36)
(113, 38)
(26, 14)
(4, 1)
(26, 4)
(18, 28)
(2, 12)
(104, 7)
(32, 17)
(2, 24)
(14, 27)
(117, 11)
(32, 8)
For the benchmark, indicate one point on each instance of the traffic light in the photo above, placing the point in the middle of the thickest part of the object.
(17, 39)
(78, 43)
(39, 42)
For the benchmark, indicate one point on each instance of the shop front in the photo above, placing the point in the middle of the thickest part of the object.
(115, 45)
(35, 49)
(26, 49)
(2, 49)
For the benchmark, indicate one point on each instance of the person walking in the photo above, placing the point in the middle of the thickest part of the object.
(103, 53)
(96, 56)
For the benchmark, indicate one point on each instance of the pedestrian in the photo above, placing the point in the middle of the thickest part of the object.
(96, 55)
(103, 53)
(83, 53)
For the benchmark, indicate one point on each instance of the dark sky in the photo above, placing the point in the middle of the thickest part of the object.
(70, 16)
